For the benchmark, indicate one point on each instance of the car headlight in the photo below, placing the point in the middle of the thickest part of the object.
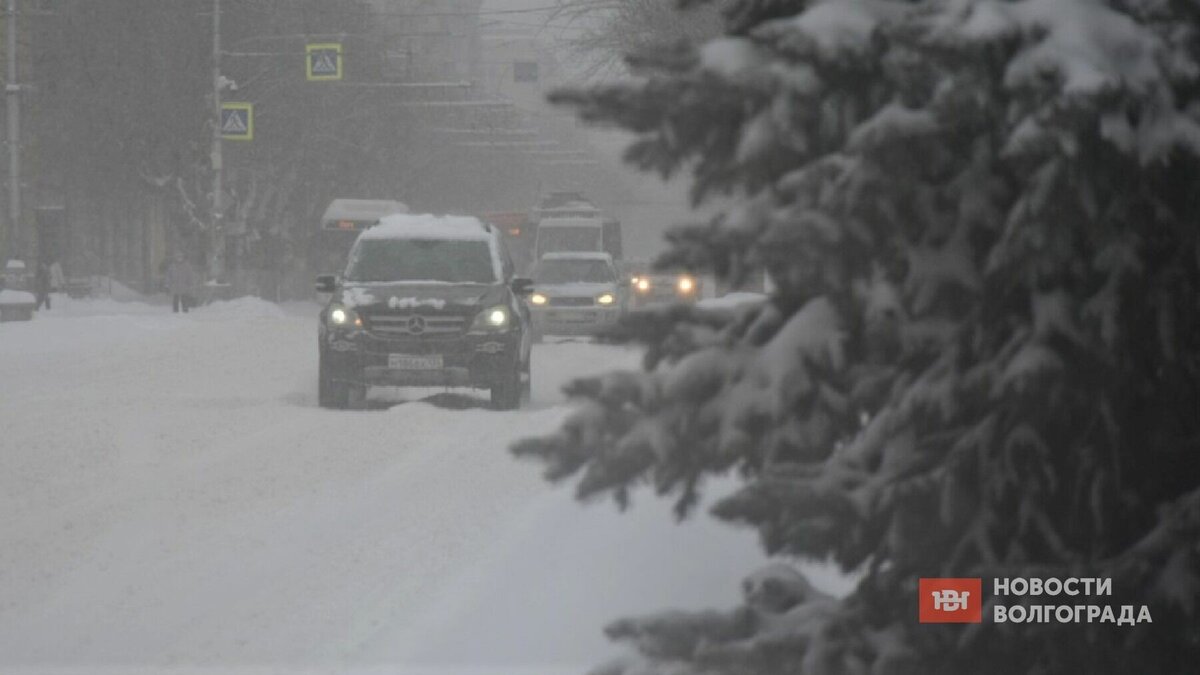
(492, 319)
(642, 285)
(606, 299)
(538, 299)
(686, 284)
(344, 317)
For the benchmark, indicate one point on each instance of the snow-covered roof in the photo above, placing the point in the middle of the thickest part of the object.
(578, 255)
(427, 226)
(570, 222)
(361, 210)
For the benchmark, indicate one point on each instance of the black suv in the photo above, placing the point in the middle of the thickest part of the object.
(425, 301)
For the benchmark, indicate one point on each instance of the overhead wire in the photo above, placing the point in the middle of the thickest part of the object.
(258, 5)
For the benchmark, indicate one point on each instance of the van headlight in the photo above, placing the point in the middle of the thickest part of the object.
(686, 284)
(606, 299)
(538, 299)
(492, 319)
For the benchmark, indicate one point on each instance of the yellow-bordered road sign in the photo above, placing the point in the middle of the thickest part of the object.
(237, 121)
(323, 61)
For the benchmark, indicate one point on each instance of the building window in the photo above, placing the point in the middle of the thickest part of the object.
(525, 71)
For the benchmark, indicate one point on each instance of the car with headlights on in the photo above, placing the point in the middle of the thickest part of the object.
(650, 287)
(576, 293)
(425, 301)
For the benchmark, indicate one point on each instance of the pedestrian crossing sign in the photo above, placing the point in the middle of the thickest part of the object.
(237, 121)
(324, 61)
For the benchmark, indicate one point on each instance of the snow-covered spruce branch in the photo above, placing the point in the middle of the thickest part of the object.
(981, 350)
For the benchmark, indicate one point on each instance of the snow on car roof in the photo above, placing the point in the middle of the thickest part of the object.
(578, 255)
(428, 226)
(570, 222)
(572, 208)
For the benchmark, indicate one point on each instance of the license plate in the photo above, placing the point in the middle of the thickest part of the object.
(577, 317)
(415, 362)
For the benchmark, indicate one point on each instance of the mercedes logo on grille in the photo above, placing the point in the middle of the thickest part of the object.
(416, 324)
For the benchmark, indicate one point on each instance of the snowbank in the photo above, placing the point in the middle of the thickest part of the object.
(245, 307)
(120, 292)
(64, 306)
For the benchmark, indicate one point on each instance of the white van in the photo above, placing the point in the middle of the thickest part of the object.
(578, 235)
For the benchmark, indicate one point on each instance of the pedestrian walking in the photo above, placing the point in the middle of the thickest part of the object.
(181, 278)
(41, 284)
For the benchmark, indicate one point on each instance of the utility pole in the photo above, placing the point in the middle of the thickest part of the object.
(12, 91)
(216, 261)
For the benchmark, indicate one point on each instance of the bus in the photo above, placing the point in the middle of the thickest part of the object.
(342, 222)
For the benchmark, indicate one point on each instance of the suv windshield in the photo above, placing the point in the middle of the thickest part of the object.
(454, 261)
(574, 271)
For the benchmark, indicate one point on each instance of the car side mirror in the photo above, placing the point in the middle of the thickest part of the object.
(521, 286)
(326, 283)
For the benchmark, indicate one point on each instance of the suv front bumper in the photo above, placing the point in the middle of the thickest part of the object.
(573, 320)
(477, 360)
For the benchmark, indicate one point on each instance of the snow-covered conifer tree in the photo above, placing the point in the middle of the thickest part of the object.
(982, 354)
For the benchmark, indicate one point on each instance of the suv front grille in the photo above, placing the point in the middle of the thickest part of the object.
(414, 325)
(572, 302)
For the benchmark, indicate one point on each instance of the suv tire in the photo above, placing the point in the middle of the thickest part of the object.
(330, 392)
(526, 383)
(506, 392)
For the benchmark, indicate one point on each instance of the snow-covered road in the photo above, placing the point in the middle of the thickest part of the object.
(171, 496)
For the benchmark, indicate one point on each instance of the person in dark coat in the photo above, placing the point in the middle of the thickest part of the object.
(181, 280)
(41, 284)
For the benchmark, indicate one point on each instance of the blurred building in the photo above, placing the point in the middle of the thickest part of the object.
(524, 64)
(519, 66)
(430, 40)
